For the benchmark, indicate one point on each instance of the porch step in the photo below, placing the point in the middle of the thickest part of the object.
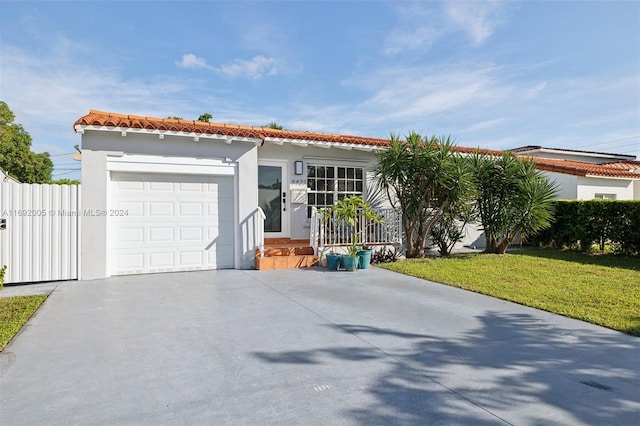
(288, 250)
(285, 262)
(285, 253)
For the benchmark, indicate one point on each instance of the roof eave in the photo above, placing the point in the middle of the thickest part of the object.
(196, 136)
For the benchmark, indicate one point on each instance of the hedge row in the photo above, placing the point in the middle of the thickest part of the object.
(579, 225)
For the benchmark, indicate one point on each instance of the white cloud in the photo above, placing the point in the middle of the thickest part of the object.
(401, 40)
(412, 93)
(534, 91)
(484, 125)
(257, 67)
(478, 18)
(48, 91)
(190, 60)
(421, 25)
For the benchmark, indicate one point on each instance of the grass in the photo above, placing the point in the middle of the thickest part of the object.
(600, 289)
(14, 313)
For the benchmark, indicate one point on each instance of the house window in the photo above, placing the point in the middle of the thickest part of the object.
(327, 184)
(604, 196)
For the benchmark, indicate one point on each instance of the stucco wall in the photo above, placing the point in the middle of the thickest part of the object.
(97, 145)
(299, 224)
(589, 187)
(572, 187)
(567, 185)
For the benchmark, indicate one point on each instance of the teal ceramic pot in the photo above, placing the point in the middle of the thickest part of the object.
(350, 263)
(364, 257)
(333, 260)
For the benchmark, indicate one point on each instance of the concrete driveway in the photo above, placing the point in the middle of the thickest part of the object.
(309, 347)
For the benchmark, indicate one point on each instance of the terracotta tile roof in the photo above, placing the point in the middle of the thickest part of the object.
(109, 119)
(618, 169)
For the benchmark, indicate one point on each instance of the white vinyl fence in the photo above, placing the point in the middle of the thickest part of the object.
(40, 239)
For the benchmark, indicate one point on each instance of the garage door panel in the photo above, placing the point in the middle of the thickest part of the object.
(161, 234)
(191, 258)
(191, 234)
(190, 209)
(126, 185)
(174, 223)
(161, 186)
(161, 260)
(161, 208)
(131, 235)
(132, 262)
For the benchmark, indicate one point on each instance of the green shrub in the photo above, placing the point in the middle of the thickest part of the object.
(579, 225)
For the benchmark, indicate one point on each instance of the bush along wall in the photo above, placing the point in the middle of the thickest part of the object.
(579, 225)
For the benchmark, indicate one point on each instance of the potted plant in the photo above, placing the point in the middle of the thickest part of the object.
(350, 210)
(333, 259)
(364, 257)
(350, 260)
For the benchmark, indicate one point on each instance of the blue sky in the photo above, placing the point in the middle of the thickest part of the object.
(490, 74)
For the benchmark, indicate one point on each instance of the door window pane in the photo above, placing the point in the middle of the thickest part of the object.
(270, 196)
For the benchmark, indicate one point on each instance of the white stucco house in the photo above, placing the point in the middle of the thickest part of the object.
(162, 195)
(588, 175)
(156, 191)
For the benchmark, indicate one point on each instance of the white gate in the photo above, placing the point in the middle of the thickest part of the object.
(39, 241)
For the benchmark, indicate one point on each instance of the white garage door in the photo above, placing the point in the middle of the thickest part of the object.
(169, 222)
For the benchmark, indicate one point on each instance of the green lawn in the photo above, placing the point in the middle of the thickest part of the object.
(14, 313)
(601, 289)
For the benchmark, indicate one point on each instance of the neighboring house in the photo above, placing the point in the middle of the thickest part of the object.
(4, 177)
(588, 175)
(572, 154)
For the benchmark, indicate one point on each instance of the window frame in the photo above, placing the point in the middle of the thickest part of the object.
(342, 177)
(604, 196)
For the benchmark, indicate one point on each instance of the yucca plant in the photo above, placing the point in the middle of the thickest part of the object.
(514, 198)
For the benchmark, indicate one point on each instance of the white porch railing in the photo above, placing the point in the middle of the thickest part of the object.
(326, 231)
(259, 237)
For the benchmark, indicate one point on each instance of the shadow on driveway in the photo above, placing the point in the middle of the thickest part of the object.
(513, 366)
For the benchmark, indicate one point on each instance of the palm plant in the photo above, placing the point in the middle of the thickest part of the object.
(425, 177)
(514, 198)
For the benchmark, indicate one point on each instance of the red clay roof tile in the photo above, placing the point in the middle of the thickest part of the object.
(108, 119)
(622, 169)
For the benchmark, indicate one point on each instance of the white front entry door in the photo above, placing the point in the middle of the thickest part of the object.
(273, 197)
(170, 222)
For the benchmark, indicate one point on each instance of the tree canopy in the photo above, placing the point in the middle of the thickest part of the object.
(427, 178)
(16, 157)
(514, 198)
(206, 117)
(274, 125)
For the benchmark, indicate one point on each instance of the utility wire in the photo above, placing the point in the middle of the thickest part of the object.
(614, 140)
(62, 174)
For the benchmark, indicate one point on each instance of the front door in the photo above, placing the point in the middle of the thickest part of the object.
(272, 198)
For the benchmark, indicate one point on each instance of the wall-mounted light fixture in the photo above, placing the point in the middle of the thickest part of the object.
(298, 165)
